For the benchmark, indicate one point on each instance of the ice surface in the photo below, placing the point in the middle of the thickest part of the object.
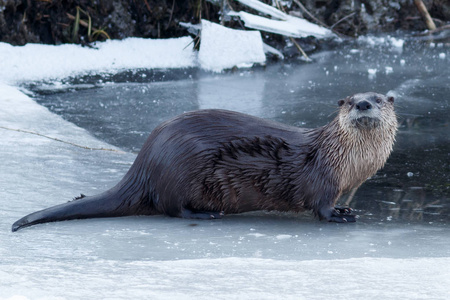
(257, 255)
(232, 278)
(231, 94)
(225, 48)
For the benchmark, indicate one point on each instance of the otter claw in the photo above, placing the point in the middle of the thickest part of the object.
(343, 210)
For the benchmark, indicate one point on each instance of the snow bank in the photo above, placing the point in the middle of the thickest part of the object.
(40, 62)
(223, 48)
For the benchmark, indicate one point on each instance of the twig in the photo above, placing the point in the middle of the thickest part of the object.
(199, 10)
(293, 40)
(343, 19)
(350, 197)
(82, 23)
(426, 16)
(302, 7)
(148, 6)
(85, 24)
(429, 32)
(300, 49)
(198, 36)
(59, 140)
(171, 14)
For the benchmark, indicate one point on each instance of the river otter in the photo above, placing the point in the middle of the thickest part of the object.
(207, 163)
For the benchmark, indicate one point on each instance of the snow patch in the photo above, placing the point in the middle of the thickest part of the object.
(372, 73)
(283, 236)
(40, 62)
(389, 41)
(256, 234)
(398, 43)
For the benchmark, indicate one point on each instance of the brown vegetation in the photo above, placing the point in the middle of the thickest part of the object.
(83, 21)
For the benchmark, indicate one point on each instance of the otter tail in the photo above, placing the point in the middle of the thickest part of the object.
(127, 198)
(98, 206)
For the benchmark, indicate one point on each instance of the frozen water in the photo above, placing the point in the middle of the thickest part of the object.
(398, 249)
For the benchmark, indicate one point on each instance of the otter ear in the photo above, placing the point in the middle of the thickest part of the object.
(341, 102)
(391, 99)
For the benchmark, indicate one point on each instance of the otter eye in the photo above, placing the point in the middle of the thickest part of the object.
(391, 99)
(378, 100)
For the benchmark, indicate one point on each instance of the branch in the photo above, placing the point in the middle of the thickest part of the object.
(426, 16)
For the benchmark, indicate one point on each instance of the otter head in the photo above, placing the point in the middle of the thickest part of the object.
(367, 126)
(367, 111)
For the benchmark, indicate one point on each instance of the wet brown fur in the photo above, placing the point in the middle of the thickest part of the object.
(205, 163)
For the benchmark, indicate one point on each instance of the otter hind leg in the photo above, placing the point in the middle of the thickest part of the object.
(203, 215)
(337, 214)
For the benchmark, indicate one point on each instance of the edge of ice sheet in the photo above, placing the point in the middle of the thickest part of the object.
(20, 112)
(235, 278)
(224, 48)
(39, 62)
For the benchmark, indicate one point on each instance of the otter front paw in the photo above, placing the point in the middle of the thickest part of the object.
(337, 214)
(341, 217)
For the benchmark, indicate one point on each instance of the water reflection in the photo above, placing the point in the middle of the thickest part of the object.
(414, 185)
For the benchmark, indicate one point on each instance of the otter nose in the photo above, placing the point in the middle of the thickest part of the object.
(363, 105)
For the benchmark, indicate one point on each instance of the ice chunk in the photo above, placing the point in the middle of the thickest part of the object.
(265, 9)
(282, 23)
(398, 43)
(223, 48)
(270, 49)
